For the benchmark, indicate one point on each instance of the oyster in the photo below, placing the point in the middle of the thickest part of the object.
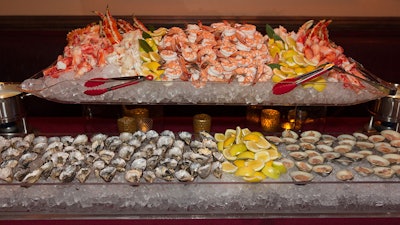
(33, 176)
(323, 169)
(360, 136)
(149, 176)
(354, 156)
(68, 174)
(83, 174)
(164, 173)
(67, 140)
(292, 147)
(80, 139)
(376, 138)
(298, 155)
(185, 136)
(383, 172)
(6, 174)
(324, 148)
(133, 175)
(106, 156)
(125, 136)
(385, 148)
(204, 171)
(344, 175)
(18, 175)
(301, 176)
(119, 164)
(216, 169)
(363, 171)
(175, 153)
(183, 175)
(377, 160)
(165, 141)
(139, 164)
(365, 145)
(392, 158)
(59, 158)
(108, 173)
(27, 158)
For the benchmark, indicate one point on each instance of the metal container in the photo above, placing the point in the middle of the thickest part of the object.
(387, 109)
(12, 113)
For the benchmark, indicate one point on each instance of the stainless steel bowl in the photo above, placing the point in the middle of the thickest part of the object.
(11, 109)
(387, 109)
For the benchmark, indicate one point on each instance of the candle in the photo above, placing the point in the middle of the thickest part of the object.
(270, 120)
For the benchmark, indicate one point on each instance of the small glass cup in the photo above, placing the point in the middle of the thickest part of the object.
(270, 120)
(297, 118)
(136, 112)
(253, 113)
(144, 124)
(201, 122)
(127, 124)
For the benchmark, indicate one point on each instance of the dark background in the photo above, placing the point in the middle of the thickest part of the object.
(30, 43)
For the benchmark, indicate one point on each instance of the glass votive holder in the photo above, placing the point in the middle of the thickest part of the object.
(270, 120)
(144, 124)
(126, 124)
(201, 122)
(297, 117)
(136, 112)
(253, 113)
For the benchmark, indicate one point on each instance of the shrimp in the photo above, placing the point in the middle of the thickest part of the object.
(245, 75)
(189, 51)
(172, 70)
(168, 55)
(227, 49)
(206, 55)
(215, 72)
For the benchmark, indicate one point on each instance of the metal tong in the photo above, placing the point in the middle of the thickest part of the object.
(99, 81)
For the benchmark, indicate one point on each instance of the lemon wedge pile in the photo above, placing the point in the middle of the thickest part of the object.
(149, 54)
(292, 63)
(249, 155)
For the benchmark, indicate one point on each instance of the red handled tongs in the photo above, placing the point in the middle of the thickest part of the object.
(289, 84)
(94, 82)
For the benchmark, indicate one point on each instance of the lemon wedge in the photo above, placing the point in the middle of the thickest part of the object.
(239, 162)
(279, 166)
(257, 165)
(219, 137)
(263, 143)
(251, 137)
(271, 172)
(257, 177)
(228, 155)
(228, 167)
(236, 149)
(154, 56)
(245, 131)
(220, 146)
(252, 146)
(229, 141)
(262, 156)
(230, 133)
(246, 155)
(273, 154)
(238, 138)
(244, 171)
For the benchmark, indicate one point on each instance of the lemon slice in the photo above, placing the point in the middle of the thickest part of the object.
(244, 171)
(246, 155)
(273, 154)
(251, 137)
(228, 167)
(220, 137)
(252, 146)
(289, 54)
(271, 172)
(238, 137)
(299, 60)
(245, 131)
(290, 42)
(236, 149)
(279, 73)
(257, 165)
(154, 56)
(257, 177)
(262, 156)
(230, 133)
(220, 146)
(145, 57)
(279, 166)
(153, 66)
(228, 155)
(229, 141)
(263, 143)
(287, 70)
(239, 162)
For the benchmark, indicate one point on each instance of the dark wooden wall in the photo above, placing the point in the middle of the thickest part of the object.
(29, 44)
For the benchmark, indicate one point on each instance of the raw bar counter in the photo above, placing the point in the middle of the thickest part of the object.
(208, 198)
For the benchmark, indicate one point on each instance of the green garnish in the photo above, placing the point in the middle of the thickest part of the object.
(274, 65)
(271, 33)
(145, 46)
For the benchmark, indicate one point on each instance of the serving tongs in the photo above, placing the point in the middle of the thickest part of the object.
(289, 84)
(94, 82)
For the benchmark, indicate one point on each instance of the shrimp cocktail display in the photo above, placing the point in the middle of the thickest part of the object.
(199, 63)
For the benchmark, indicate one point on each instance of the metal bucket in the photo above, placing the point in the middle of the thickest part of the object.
(12, 112)
(387, 109)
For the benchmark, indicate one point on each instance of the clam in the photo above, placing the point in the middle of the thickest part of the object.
(392, 158)
(325, 142)
(344, 175)
(298, 155)
(364, 145)
(383, 172)
(289, 140)
(292, 147)
(309, 139)
(365, 153)
(303, 166)
(312, 153)
(395, 143)
(360, 136)
(354, 156)
(330, 155)
(83, 174)
(363, 170)
(274, 139)
(342, 149)
(301, 176)
(323, 169)
(344, 161)
(328, 137)
(390, 135)
(311, 133)
(183, 175)
(385, 148)
(377, 160)
(376, 138)
(324, 148)
(133, 175)
(307, 146)
(346, 137)
(316, 160)
(289, 134)
(288, 163)
(347, 142)
(396, 169)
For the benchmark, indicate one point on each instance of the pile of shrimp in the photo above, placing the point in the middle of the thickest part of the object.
(221, 52)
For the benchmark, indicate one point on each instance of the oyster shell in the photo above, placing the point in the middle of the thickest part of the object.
(342, 149)
(346, 137)
(364, 145)
(385, 148)
(376, 138)
(383, 172)
(390, 134)
(183, 175)
(316, 160)
(311, 133)
(133, 175)
(108, 173)
(68, 174)
(298, 155)
(392, 158)
(303, 166)
(6, 174)
(360, 136)
(292, 147)
(289, 134)
(83, 174)
(354, 156)
(363, 170)
(324, 148)
(377, 160)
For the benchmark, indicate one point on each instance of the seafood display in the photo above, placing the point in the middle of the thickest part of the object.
(234, 156)
(197, 58)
